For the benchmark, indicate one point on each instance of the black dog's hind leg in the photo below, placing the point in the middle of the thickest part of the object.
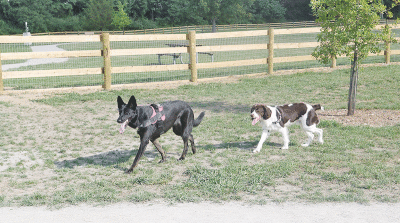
(186, 126)
(143, 143)
(160, 150)
(192, 143)
(185, 147)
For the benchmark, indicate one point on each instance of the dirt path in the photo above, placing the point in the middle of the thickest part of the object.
(33, 62)
(209, 212)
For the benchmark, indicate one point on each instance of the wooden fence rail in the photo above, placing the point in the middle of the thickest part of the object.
(106, 52)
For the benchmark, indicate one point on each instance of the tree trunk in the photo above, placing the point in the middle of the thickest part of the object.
(353, 85)
(214, 25)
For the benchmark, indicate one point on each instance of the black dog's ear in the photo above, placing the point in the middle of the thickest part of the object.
(132, 102)
(120, 102)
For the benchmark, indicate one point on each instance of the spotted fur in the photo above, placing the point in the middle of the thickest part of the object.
(278, 118)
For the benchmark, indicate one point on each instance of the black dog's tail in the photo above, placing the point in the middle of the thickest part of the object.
(317, 107)
(198, 119)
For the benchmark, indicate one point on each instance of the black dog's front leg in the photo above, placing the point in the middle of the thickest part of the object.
(160, 150)
(143, 143)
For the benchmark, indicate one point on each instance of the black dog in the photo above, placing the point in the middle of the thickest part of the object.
(154, 120)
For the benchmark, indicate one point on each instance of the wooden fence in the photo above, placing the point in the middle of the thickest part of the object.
(196, 28)
(192, 49)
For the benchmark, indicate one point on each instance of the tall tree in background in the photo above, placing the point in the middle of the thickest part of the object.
(182, 12)
(264, 11)
(297, 10)
(225, 11)
(120, 18)
(348, 28)
(36, 12)
(98, 15)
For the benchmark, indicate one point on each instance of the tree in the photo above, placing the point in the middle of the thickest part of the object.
(225, 11)
(120, 18)
(181, 13)
(297, 10)
(267, 11)
(36, 12)
(41, 15)
(98, 15)
(348, 28)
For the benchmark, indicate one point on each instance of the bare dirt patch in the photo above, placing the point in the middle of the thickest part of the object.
(374, 118)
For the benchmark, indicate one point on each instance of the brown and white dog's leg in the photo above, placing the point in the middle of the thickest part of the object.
(310, 130)
(264, 137)
(320, 134)
(285, 136)
(309, 139)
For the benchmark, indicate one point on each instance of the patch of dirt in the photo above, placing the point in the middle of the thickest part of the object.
(374, 118)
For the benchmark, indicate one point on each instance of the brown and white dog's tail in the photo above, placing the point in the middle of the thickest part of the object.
(318, 107)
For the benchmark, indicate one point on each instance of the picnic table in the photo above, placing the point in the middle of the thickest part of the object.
(179, 55)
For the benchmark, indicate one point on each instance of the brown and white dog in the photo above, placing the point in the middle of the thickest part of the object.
(278, 118)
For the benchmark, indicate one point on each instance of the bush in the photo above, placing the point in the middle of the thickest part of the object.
(6, 29)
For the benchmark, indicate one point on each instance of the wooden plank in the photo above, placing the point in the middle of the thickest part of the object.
(45, 39)
(153, 37)
(382, 53)
(192, 56)
(295, 45)
(146, 51)
(231, 34)
(270, 59)
(293, 59)
(393, 52)
(231, 47)
(135, 69)
(50, 73)
(236, 63)
(54, 54)
(297, 31)
(105, 40)
(1, 76)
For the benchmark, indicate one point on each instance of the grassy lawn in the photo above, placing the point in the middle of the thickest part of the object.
(66, 149)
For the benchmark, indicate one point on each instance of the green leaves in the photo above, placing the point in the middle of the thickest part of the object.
(348, 26)
(120, 19)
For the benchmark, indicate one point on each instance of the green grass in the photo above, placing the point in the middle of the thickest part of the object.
(68, 151)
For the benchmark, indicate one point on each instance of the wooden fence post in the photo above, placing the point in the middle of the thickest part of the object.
(271, 51)
(1, 76)
(105, 39)
(192, 54)
(387, 49)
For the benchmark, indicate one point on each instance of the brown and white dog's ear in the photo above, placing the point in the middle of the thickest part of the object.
(267, 113)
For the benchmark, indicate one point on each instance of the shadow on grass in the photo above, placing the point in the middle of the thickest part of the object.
(247, 145)
(110, 158)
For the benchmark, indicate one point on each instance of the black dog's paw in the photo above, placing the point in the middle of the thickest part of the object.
(181, 158)
(129, 171)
